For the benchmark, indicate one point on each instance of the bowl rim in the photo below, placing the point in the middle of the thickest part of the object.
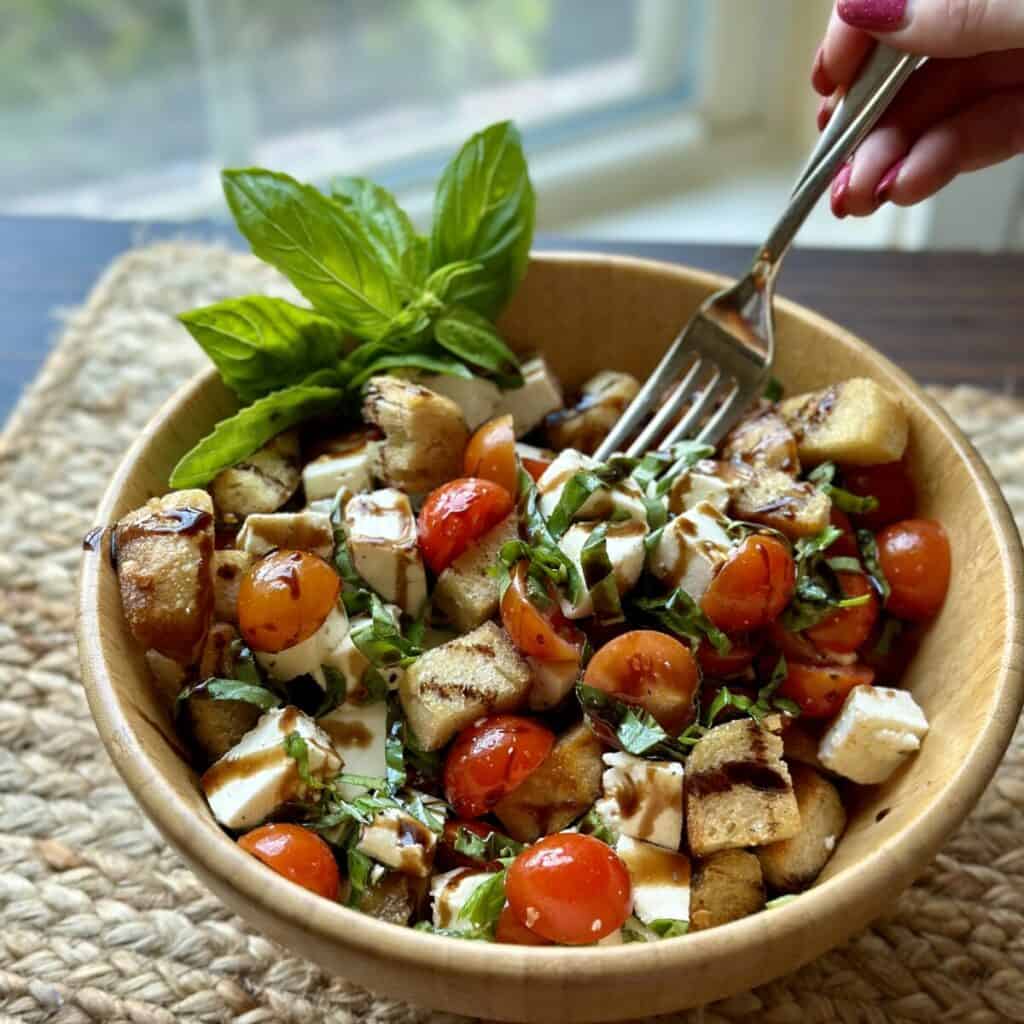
(840, 900)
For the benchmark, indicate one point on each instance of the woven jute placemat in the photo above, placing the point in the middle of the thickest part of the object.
(100, 921)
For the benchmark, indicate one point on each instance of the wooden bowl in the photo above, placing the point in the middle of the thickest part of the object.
(589, 312)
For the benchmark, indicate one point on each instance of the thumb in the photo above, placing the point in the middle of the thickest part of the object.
(939, 28)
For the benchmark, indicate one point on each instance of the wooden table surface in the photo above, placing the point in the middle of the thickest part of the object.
(945, 317)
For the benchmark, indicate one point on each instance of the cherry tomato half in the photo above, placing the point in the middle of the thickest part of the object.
(285, 598)
(795, 646)
(753, 586)
(545, 635)
(569, 888)
(846, 545)
(890, 483)
(844, 630)
(457, 514)
(914, 556)
(296, 853)
(651, 669)
(820, 690)
(513, 932)
(535, 467)
(491, 453)
(734, 662)
(490, 758)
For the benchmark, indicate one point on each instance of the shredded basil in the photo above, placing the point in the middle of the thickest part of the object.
(335, 693)
(678, 613)
(823, 477)
(773, 390)
(869, 553)
(592, 824)
(230, 689)
(668, 927)
(485, 904)
(629, 727)
(599, 577)
(359, 868)
(494, 846)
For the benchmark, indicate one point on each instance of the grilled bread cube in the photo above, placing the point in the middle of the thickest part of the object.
(394, 897)
(425, 434)
(215, 726)
(552, 682)
(294, 531)
(738, 789)
(477, 397)
(540, 394)
(791, 865)
(466, 592)
(399, 841)
(229, 569)
(725, 887)
(558, 792)
(660, 878)
(856, 422)
(346, 464)
(448, 687)
(624, 545)
(763, 439)
(643, 799)
(163, 552)
(603, 399)
(799, 744)
(773, 498)
(691, 550)
(261, 483)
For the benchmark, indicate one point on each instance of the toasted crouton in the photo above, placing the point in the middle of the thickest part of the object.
(163, 553)
(261, 483)
(559, 791)
(801, 745)
(773, 498)
(603, 399)
(215, 726)
(465, 591)
(229, 569)
(856, 422)
(793, 864)
(725, 887)
(448, 687)
(738, 789)
(425, 434)
(395, 898)
(763, 438)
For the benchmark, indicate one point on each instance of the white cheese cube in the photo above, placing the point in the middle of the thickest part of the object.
(256, 777)
(661, 880)
(352, 663)
(477, 398)
(540, 394)
(450, 892)
(399, 841)
(324, 477)
(299, 531)
(873, 734)
(695, 485)
(551, 682)
(359, 733)
(643, 799)
(624, 543)
(691, 549)
(324, 506)
(624, 499)
(310, 655)
(382, 538)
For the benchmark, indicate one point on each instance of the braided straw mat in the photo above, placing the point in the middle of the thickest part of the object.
(100, 921)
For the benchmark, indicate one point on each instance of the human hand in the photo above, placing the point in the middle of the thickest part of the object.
(962, 111)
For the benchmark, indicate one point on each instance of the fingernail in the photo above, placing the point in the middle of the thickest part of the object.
(840, 186)
(819, 76)
(872, 15)
(887, 182)
(824, 112)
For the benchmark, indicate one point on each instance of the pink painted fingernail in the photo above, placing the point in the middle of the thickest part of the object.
(840, 186)
(872, 15)
(824, 112)
(819, 76)
(888, 180)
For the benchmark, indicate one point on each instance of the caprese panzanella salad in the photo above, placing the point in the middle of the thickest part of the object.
(435, 662)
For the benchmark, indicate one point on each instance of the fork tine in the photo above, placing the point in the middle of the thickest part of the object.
(683, 393)
(702, 404)
(718, 426)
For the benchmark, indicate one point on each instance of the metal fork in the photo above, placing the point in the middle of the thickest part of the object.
(721, 362)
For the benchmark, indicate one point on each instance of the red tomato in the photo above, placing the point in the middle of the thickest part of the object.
(285, 598)
(296, 853)
(844, 630)
(512, 931)
(535, 467)
(820, 690)
(457, 514)
(490, 758)
(491, 453)
(889, 483)
(739, 658)
(914, 556)
(795, 646)
(753, 586)
(545, 635)
(569, 888)
(845, 546)
(651, 669)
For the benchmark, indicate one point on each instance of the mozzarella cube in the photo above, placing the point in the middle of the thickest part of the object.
(477, 397)
(256, 777)
(540, 395)
(301, 531)
(623, 500)
(661, 880)
(551, 682)
(699, 484)
(624, 543)
(691, 549)
(324, 477)
(310, 655)
(450, 892)
(382, 538)
(873, 734)
(359, 733)
(643, 799)
(399, 841)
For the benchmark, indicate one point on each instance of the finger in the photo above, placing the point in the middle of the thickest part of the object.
(840, 56)
(939, 28)
(985, 133)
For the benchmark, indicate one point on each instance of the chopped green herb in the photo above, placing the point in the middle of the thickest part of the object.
(230, 689)
(869, 553)
(668, 927)
(773, 390)
(678, 613)
(631, 728)
(494, 846)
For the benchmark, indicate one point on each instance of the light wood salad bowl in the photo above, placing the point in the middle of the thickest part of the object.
(588, 312)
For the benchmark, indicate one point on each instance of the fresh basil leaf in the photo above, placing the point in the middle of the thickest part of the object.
(686, 454)
(823, 477)
(678, 613)
(381, 641)
(295, 747)
(773, 390)
(319, 245)
(624, 725)
(869, 553)
(474, 339)
(668, 927)
(394, 747)
(243, 662)
(431, 812)
(809, 547)
(442, 280)
(336, 692)
(231, 689)
(540, 537)
(370, 782)
(592, 824)
(599, 577)
(844, 564)
(485, 903)
(578, 489)
(428, 362)
(359, 869)
(372, 689)
(484, 212)
(250, 428)
(493, 846)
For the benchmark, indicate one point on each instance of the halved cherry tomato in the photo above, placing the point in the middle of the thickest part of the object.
(490, 758)
(890, 483)
(845, 546)
(843, 630)
(569, 888)
(535, 467)
(546, 635)
(651, 669)
(296, 853)
(820, 690)
(753, 586)
(491, 453)
(914, 556)
(795, 646)
(456, 514)
(512, 931)
(734, 662)
(285, 598)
